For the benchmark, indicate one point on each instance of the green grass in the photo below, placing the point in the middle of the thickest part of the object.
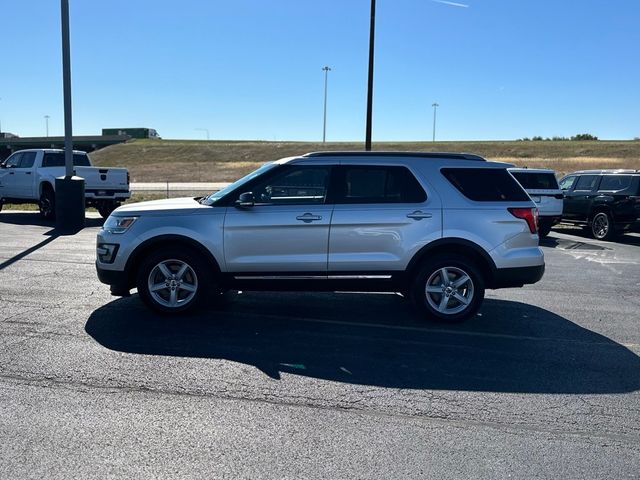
(223, 161)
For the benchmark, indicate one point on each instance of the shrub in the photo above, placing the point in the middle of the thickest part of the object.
(584, 136)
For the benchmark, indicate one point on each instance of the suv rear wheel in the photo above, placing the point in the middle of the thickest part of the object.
(448, 288)
(602, 227)
(173, 280)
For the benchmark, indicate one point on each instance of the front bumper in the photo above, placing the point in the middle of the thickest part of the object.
(117, 279)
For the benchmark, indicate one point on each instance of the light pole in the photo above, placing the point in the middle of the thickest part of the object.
(372, 30)
(46, 121)
(326, 71)
(206, 130)
(0, 122)
(69, 191)
(435, 106)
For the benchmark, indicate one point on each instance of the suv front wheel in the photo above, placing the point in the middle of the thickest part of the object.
(173, 280)
(448, 288)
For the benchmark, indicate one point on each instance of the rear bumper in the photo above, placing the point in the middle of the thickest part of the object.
(516, 277)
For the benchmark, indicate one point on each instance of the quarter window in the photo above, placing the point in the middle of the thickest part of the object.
(486, 184)
(378, 184)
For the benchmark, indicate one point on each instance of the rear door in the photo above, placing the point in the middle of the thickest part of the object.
(578, 199)
(382, 215)
(287, 230)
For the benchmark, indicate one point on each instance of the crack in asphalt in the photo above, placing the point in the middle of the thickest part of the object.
(308, 402)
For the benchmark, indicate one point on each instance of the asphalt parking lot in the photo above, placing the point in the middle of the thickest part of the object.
(543, 383)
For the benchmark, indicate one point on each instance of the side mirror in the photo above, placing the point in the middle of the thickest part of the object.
(2, 165)
(246, 200)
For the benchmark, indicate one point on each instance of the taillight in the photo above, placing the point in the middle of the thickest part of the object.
(530, 215)
(128, 178)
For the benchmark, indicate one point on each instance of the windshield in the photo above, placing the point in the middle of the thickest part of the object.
(214, 197)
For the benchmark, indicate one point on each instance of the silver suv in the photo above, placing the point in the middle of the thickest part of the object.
(437, 227)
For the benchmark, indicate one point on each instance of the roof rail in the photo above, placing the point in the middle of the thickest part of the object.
(446, 155)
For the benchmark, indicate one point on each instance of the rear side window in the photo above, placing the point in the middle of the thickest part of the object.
(486, 184)
(586, 183)
(613, 183)
(57, 160)
(536, 181)
(378, 184)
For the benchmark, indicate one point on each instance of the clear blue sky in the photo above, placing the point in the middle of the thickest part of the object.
(251, 69)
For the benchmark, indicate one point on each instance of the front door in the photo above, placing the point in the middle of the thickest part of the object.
(577, 200)
(287, 229)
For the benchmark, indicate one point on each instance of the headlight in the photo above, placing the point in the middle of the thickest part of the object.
(118, 224)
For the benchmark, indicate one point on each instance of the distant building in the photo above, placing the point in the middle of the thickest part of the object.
(132, 132)
(8, 135)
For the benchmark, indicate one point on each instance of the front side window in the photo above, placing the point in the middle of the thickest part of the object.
(567, 182)
(378, 184)
(295, 185)
(586, 183)
(27, 159)
(614, 183)
(13, 161)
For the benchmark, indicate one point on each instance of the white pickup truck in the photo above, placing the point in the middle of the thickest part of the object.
(28, 176)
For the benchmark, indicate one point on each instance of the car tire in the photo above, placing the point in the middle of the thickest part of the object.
(452, 299)
(174, 280)
(47, 204)
(602, 227)
(105, 208)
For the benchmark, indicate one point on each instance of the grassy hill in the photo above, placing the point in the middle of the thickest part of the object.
(220, 161)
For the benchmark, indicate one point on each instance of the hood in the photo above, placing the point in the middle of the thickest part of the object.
(169, 206)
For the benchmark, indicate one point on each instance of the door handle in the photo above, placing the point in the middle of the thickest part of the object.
(28, 173)
(418, 215)
(12, 173)
(308, 217)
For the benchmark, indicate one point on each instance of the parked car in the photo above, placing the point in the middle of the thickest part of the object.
(28, 176)
(542, 187)
(606, 202)
(439, 228)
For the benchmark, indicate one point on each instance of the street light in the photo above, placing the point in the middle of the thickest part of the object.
(206, 130)
(69, 190)
(46, 120)
(435, 106)
(326, 71)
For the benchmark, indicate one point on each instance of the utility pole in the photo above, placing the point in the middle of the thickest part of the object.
(372, 30)
(205, 130)
(435, 106)
(326, 71)
(46, 120)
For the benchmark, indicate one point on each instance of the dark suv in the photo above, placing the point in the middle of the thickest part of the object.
(605, 201)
